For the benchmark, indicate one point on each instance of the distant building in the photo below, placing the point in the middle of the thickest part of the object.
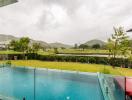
(7, 2)
(4, 45)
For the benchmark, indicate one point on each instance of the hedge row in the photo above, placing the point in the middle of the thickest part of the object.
(83, 59)
(86, 59)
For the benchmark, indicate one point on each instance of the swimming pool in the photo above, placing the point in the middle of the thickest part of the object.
(42, 84)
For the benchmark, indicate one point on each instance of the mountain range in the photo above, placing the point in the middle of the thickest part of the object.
(95, 41)
(8, 38)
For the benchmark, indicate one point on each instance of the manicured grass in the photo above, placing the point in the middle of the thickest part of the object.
(82, 51)
(125, 71)
(51, 51)
(10, 52)
(46, 52)
(15, 52)
(72, 66)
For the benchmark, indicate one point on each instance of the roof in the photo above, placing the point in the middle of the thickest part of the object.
(130, 30)
(7, 2)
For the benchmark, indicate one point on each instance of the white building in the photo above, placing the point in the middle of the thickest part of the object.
(4, 45)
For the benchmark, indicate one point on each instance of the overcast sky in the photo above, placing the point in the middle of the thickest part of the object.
(66, 21)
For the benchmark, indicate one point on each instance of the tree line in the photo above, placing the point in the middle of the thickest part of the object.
(85, 46)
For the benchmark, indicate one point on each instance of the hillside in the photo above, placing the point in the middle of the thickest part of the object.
(59, 45)
(42, 43)
(95, 41)
(6, 38)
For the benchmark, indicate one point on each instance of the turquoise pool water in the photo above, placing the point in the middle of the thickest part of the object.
(48, 85)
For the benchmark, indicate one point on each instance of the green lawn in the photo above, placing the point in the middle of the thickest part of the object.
(74, 51)
(72, 66)
(82, 51)
(51, 51)
(10, 52)
(15, 52)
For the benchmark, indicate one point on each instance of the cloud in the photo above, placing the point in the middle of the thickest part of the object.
(68, 21)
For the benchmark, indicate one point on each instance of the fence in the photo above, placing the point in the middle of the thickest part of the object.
(113, 87)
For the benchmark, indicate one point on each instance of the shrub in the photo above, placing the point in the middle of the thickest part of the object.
(83, 59)
(103, 60)
(92, 60)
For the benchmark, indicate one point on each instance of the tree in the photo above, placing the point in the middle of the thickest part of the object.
(56, 50)
(15, 45)
(75, 46)
(24, 44)
(96, 46)
(36, 47)
(30, 50)
(124, 46)
(118, 42)
(21, 45)
(104, 47)
(12, 45)
(83, 46)
(130, 46)
(110, 46)
(130, 55)
(63, 48)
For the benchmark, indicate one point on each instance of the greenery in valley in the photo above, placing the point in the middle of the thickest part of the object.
(83, 46)
(96, 46)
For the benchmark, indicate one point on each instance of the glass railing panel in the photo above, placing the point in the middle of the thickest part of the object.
(66, 85)
(16, 83)
(44, 84)
(113, 87)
